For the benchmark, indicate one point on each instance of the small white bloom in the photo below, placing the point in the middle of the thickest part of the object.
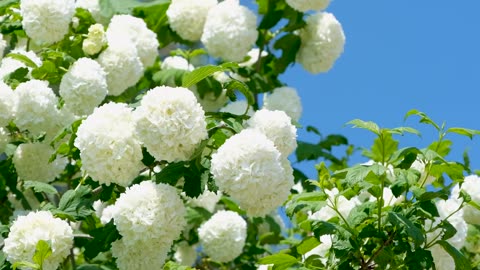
(187, 17)
(185, 254)
(84, 86)
(176, 62)
(4, 139)
(7, 98)
(247, 166)
(470, 185)
(305, 5)
(27, 230)
(238, 107)
(123, 66)
(170, 123)
(335, 201)
(31, 162)
(126, 28)
(140, 255)
(230, 31)
(46, 21)
(208, 200)
(254, 56)
(109, 149)
(277, 126)
(95, 41)
(322, 43)
(284, 99)
(223, 236)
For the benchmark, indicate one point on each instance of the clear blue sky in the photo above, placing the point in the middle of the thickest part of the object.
(399, 55)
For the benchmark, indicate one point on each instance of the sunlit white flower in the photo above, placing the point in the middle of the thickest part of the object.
(84, 86)
(126, 28)
(46, 21)
(223, 236)
(277, 126)
(7, 98)
(247, 166)
(4, 139)
(305, 5)
(284, 99)
(185, 254)
(109, 149)
(208, 200)
(335, 201)
(26, 231)
(230, 31)
(176, 62)
(170, 123)
(139, 255)
(470, 185)
(322, 42)
(187, 17)
(238, 107)
(95, 41)
(441, 258)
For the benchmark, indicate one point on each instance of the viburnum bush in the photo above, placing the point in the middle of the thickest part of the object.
(157, 134)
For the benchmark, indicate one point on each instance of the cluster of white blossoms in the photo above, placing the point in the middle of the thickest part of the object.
(334, 201)
(208, 200)
(4, 139)
(284, 99)
(223, 236)
(306, 5)
(148, 213)
(109, 149)
(185, 254)
(25, 233)
(31, 162)
(277, 126)
(144, 255)
(123, 66)
(230, 31)
(9, 64)
(187, 18)
(46, 21)
(84, 86)
(247, 167)
(126, 28)
(176, 62)
(470, 185)
(95, 41)
(170, 123)
(322, 42)
(7, 98)
(36, 108)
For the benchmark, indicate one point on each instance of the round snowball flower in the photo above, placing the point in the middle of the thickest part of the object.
(122, 65)
(305, 5)
(277, 126)
(176, 62)
(284, 99)
(322, 43)
(27, 230)
(35, 107)
(7, 98)
(141, 255)
(230, 31)
(252, 171)
(4, 139)
(95, 41)
(185, 254)
(170, 123)
(223, 236)
(149, 211)
(46, 21)
(187, 17)
(126, 28)
(470, 185)
(31, 162)
(238, 107)
(109, 149)
(84, 86)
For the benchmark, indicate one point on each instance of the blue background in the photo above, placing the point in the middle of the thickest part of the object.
(399, 55)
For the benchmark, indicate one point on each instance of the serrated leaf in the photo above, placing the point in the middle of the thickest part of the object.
(40, 187)
(464, 131)
(461, 262)
(42, 252)
(307, 244)
(402, 222)
(403, 130)
(368, 125)
(171, 173)
(320, 228)
(175, 266)
(103, 238)
(199, 74)
(75, 203)
(423, 118)
(279, 259)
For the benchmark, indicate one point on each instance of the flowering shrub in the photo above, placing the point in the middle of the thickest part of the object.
(133, 135)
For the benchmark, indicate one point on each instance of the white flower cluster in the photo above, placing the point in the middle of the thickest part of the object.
(223, 236)
(143, 255)
(247, 166)
(31, 162)
(335, 201)
(129, 29)
(7, 99)
(306, 5)
(208, 200)
(84, 86)
(470, 185)
(284, 99)
(185, 254)
(109, 149)
(442, 260)
(27, 230)
(187, 18)
(176, 62)
(9, 64)
(230, 31)
(4, 139)
(36, 108)
(46, 21)
(123, 66)
(322, 42)
(95, 41)
(170, 123)
(148, 213)
(277, 126)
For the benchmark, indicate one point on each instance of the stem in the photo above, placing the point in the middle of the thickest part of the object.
(377, 252)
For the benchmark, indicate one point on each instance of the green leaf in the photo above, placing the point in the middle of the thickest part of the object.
(171, 173)
(289, 44)
(199, 74)
(26, 264)
(22, 58)
(103, 238)
(75, 204)
(242, 87)
(368, 125)
(461, 262)
(320, 228)
(175, 266)
(464, 131)
(279, 259)
(126, 6)
(383, 148)
(402, 222)
(442, 148)
(307, 244)
(92, 267)
(402, 130)
(423, 118)
(42, 252)
(40, 187)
